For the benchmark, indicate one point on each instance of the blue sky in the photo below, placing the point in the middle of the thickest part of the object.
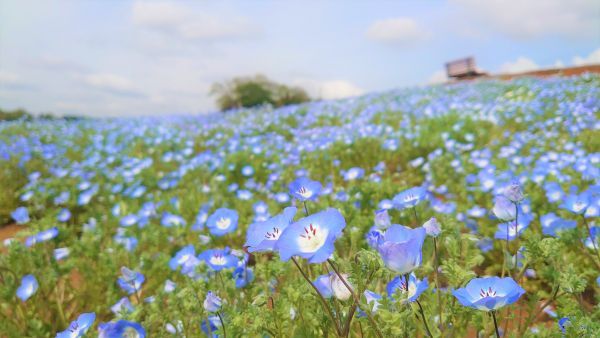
(124, 58)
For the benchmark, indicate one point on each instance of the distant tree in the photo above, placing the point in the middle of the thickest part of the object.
(255, 91)
(15, 114)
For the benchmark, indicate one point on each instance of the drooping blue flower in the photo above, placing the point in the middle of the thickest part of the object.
(121, 328)
(28, 287)
(382, 219)
(20, 215)
(311, 237)
(409, 198)
(41, 236)
(242, 276)
(323, 284)
(212, 302)
(401, 249)
(432, 227)
(222, 221)
(374, 237)
(410, 292)
(552, 225)
(219, 259)
(514, 192)
(78, 327)
(504, 209)
(130, 281)
(489, 293)
(304, 189)
(262, 236)
(577, 203)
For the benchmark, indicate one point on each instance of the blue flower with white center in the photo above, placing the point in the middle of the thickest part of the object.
(554, 192)
(41, 236)
(169, 220)
(64, 215)
(262, 236)
(409, 198)
(130, 281)
(122, 306)
(182, 257)
(408, 293)
(78, 327)
(552, 225)
(312, 237)
(489, 293)
(243, 276)
(304, 189)
(219, 259)
(128, 220)
(504, 209)
(577, 203)
(212, 302)
(353, 174)
(247, 171)
(20, 215)
(401, 249)
(386, 204)
(222, 221)
(121, 328)
(593, 210)
(28, 287)
(323, 284)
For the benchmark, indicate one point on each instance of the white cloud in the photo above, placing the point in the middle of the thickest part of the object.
(438, 77)
(111, 83)
(535, 18)
(396, 30)
(592, 59)
(330, 89)
(180, 21)
(521, 64)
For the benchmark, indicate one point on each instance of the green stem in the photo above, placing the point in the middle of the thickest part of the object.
(323, 302)
(437, 283)
(416, 216)
(305, 208)
(495, 324)
(423, 317)
(222, 324)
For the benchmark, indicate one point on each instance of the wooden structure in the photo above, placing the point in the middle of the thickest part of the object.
(463, 69)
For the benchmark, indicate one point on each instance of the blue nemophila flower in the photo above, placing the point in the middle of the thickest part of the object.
(78, 327)
(563, 323)
(41, 236)
(211, 325)
(374, 237)
(373, 298)
(169, 220)
(64, 215)
(242, 276)
(262, 236)
(121, 328)
(312, 237)
(339, 288)
(61, 253)
(553, 191)
(169, 286)
(123, 305)
(353, 174)
(489, 293)
(409, 198)
(128, 220)
(247, 171)
(410, 292)
(303, 189)
(382, 219)
(504, 209)
(432, 227)
(212, 302)
(514, 192)
(20, 215)
(323, 284)
(401, 249)
(222, 221)
(552, 225)
(576, 203)
(186, 258)
(130, 281)
(219, 259)
(28, 287)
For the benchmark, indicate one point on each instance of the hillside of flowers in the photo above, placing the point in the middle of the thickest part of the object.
(460, 210)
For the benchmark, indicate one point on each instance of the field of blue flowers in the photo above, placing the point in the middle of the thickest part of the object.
(459, 210)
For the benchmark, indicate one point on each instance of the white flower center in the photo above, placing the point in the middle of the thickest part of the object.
(312, 239)
(578, 206)
(305, 193)
(223, 223)
(218, 259)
